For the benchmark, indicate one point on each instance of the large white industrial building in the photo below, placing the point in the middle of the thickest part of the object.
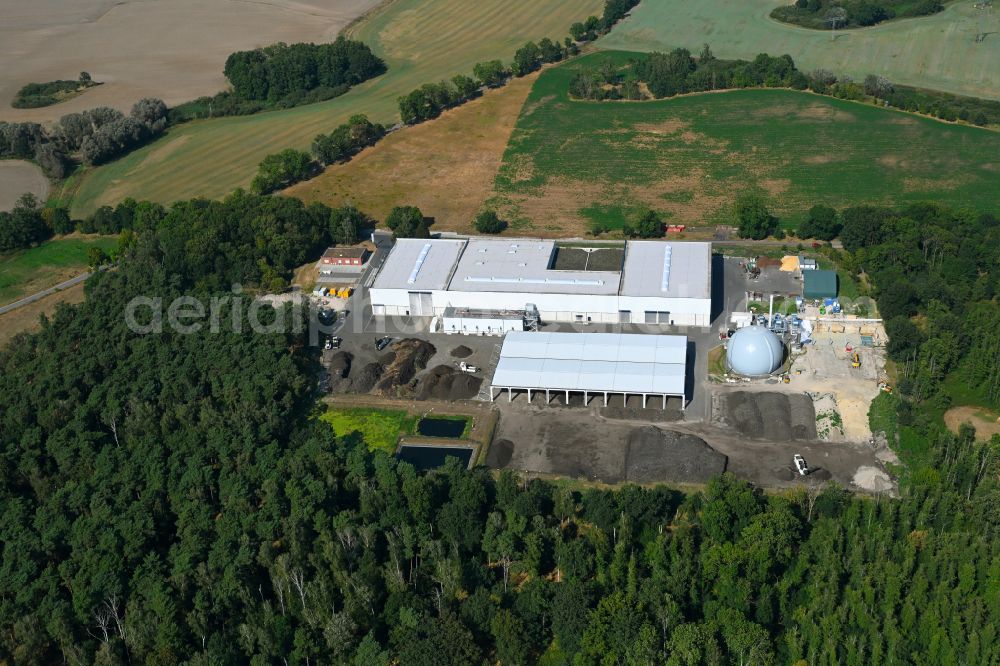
(495, 281)
(592, 364)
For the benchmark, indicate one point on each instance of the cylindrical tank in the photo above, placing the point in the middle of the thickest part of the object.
(754, 351)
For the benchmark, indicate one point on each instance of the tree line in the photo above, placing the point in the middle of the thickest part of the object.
(679, 72)
(35, 95)
(276, 76)
(280, 72)
(93, 137)
(290, 166)
(833, 14)
(428, 101)
(935, 279)
(285, 168)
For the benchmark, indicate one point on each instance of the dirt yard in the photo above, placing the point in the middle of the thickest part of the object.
(18, 177)
(583, 443)
(445, 166)
(984, 421)
(173, 50)
(563, 442)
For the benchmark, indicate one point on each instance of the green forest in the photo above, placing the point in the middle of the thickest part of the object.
(172, 498)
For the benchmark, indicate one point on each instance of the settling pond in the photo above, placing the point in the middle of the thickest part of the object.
(450, 428)
(425, 457)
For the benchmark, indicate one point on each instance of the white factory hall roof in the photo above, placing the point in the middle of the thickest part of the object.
(613, 362)
(523, 266)
(417, 264)
(667, 270)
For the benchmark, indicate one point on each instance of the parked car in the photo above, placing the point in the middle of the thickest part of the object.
(382, 343)
(800, 465)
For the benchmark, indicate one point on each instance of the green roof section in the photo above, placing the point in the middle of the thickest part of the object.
(819, 284)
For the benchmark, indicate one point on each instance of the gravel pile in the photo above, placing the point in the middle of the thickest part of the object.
(364, 380)
(774, 416)
(443, 382)
(461, 351)
(872, 479)
(340, 365)
(653, 454)
(500, 453)
(408, 357)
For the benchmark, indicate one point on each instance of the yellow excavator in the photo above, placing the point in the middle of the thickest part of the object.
(855, 360)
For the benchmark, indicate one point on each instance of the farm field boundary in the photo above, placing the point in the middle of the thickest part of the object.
(687, 157)
(936, 52)
(422, 41)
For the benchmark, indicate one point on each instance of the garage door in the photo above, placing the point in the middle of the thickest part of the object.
(421, 304)
(653, 317)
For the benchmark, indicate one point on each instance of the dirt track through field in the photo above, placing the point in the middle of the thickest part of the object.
(173, 50)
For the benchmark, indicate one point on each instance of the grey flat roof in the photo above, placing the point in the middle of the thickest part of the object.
(409, 267)
(613, 362)
(689, 274)
(522, 266)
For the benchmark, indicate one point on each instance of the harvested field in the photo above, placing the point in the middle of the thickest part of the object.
(18, 177)
(588, 259)
(572, 163)
(983, 420)
(937, 51)
(421, 40)
(172, 50)
(445, 166)
(767, 415)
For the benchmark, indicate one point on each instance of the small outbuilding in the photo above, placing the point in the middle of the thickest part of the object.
(819, 284)
(340, 258)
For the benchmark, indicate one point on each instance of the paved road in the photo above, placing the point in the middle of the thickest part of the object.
(43, 293)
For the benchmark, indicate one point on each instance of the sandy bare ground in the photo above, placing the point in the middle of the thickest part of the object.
(172, 49)
(986, 423)
(445, 167)
(18, 177)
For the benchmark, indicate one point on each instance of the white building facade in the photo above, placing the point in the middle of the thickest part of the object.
(664, 283)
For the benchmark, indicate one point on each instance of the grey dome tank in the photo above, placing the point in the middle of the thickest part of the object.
(754, 351)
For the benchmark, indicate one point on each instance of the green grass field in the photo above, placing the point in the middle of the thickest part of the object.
(25, 272)
(569, 162)
(421, 40)
(379, 428)
(936, 51)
